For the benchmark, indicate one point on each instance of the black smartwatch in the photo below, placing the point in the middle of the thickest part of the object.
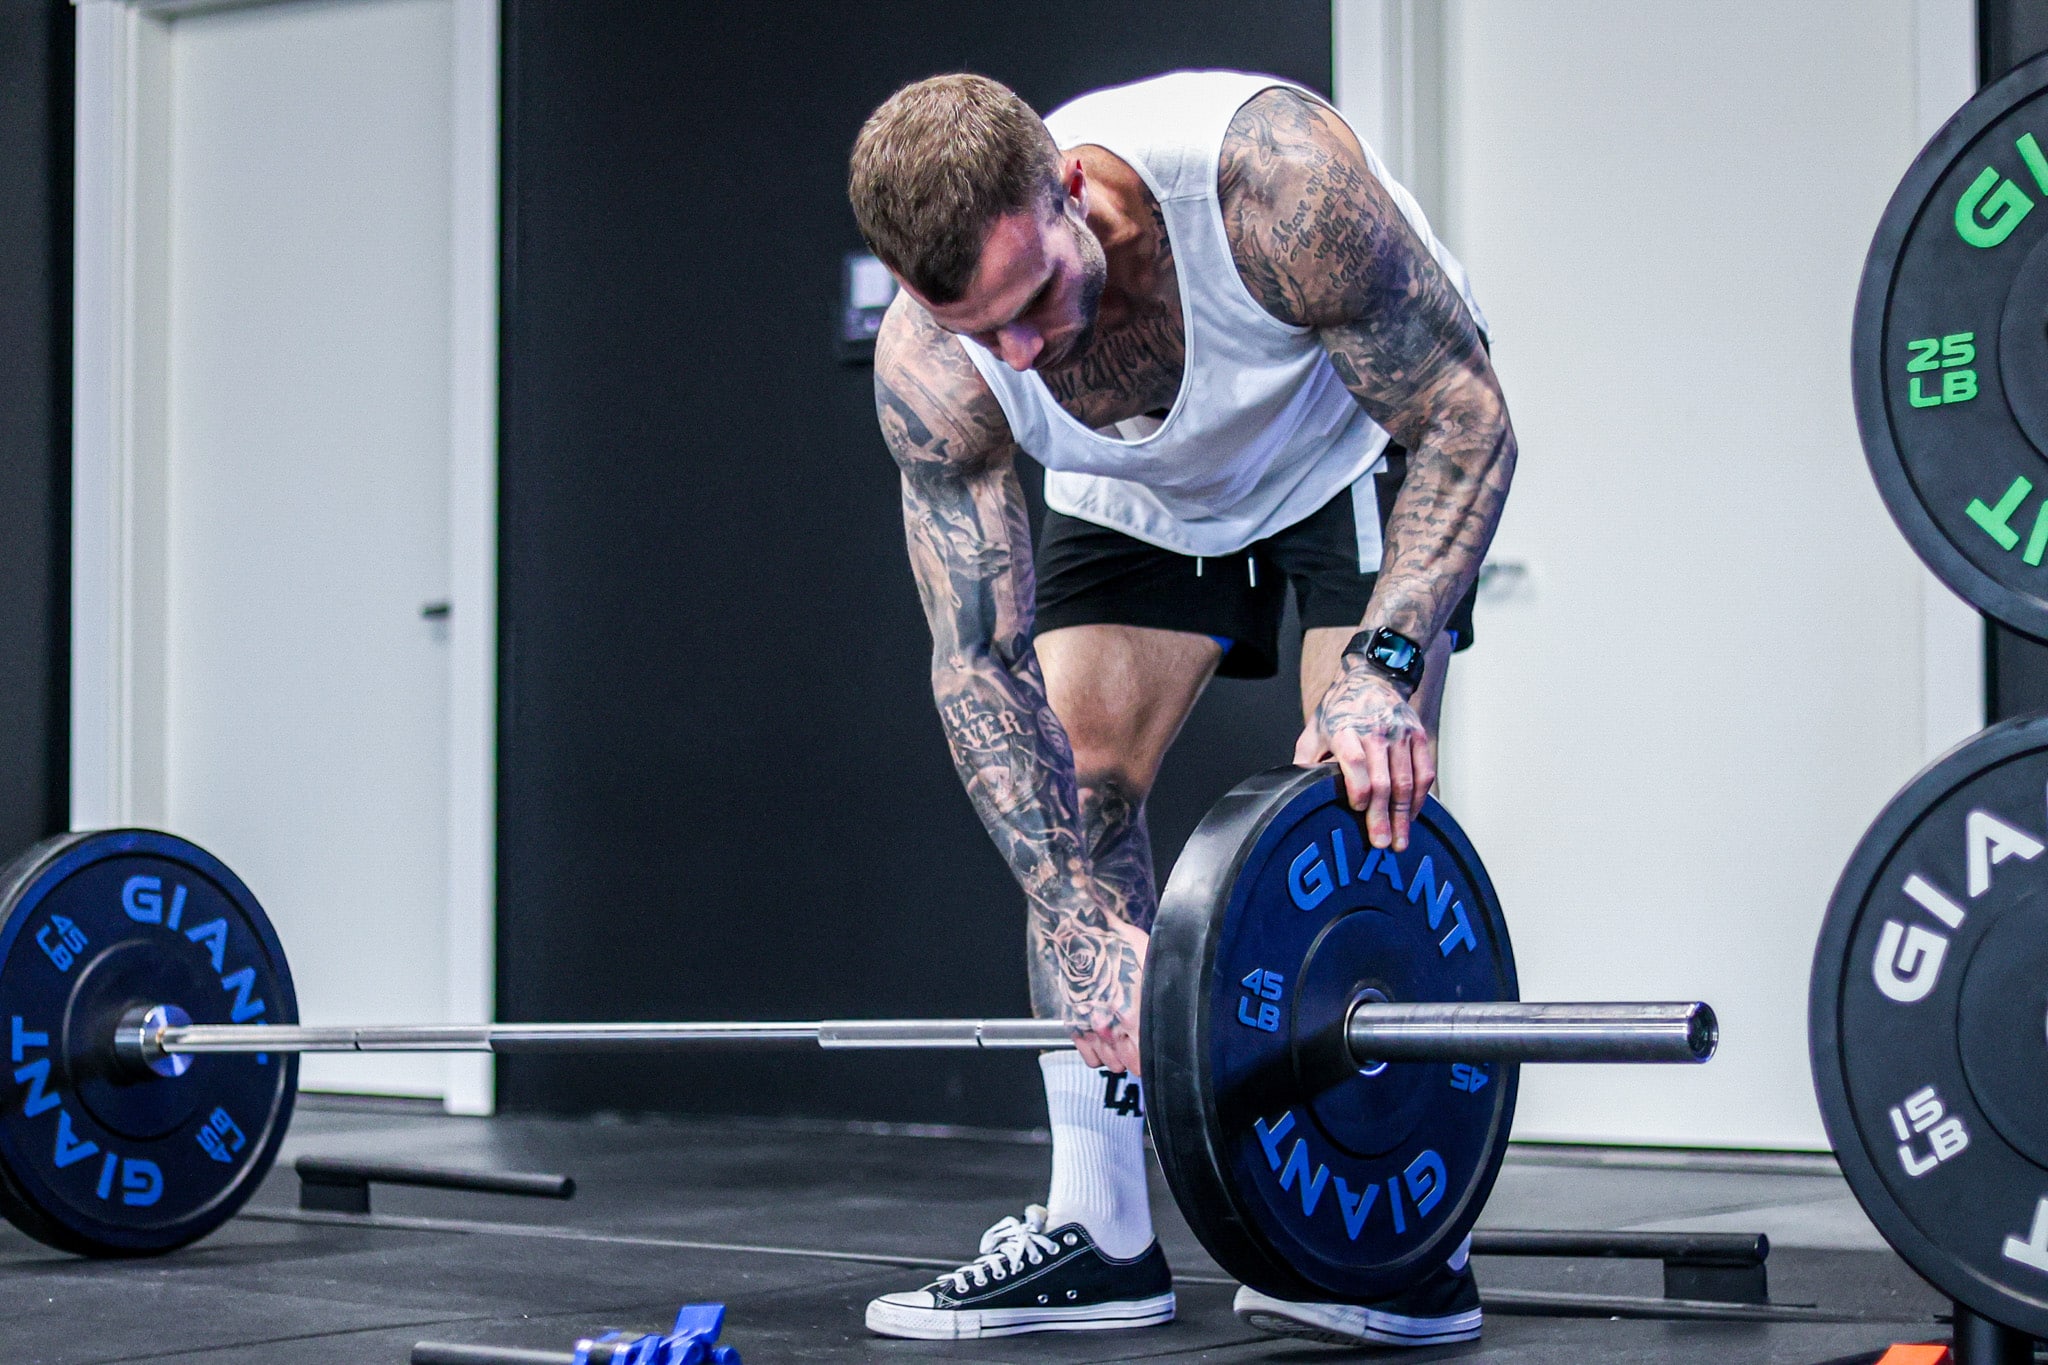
(1390, 654)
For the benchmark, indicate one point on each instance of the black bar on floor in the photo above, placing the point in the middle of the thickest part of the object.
(452, 1353)
(1718, 1267)
(1980, 1341)
(341, 1185)
(1703, 1248)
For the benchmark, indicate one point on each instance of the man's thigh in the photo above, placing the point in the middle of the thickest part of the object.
(1122, 693)
(1090, 575)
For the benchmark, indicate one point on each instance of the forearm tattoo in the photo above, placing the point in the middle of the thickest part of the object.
(969, 538)
(1120, 855)
(1320, 243)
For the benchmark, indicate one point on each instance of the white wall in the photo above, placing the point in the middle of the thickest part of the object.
(1724, 658)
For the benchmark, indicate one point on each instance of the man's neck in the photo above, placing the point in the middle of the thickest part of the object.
(1125, 218)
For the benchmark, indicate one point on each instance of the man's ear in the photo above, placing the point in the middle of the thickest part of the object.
(1075, 183)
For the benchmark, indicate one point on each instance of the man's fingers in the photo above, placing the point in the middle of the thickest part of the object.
(1425, 769)
(1368, 783)
(1128, 1056)
(1092, 1051)
(1400, 790)
(1112, 1049)
(1379, 822)
(1310, 748)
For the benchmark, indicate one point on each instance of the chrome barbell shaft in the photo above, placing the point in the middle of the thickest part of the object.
(182, 1039)
(1506, 1031)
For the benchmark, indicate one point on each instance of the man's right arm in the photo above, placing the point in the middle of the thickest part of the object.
(970, 551)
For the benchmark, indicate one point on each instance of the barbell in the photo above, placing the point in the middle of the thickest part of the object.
(1330, 1039)
(158, 1037)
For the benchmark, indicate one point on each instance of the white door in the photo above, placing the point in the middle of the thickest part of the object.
(306, 682)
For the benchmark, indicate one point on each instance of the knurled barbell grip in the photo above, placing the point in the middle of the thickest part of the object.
(1506, 1031)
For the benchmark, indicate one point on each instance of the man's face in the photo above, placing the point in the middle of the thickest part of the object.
(1035, 292)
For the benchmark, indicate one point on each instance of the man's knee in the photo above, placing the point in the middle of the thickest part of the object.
(1121, 693)
(1111, 794)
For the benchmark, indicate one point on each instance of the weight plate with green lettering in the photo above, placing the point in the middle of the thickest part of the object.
(1951, 352)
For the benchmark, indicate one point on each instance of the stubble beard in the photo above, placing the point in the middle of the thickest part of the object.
(1094, 278)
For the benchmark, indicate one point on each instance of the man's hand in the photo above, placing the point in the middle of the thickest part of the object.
(1101, 973)
(1388, 762)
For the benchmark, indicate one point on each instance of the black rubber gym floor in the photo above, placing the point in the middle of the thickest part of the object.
(796, 1227)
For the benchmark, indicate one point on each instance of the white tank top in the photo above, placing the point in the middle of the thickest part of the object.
(1262, 433)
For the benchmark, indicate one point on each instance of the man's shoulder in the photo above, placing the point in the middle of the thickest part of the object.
(1276, 141)
(929, 394)
(1302, 207)
(910, 347)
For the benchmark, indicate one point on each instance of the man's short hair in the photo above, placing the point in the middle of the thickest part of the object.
(936, 165)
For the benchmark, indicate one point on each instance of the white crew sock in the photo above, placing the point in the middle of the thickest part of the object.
(1098, 1154)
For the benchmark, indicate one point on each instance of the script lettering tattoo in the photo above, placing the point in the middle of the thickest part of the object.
(1136, 366)
(968, 534)
(1321, 243)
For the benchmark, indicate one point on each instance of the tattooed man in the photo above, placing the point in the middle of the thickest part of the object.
(1246, 365)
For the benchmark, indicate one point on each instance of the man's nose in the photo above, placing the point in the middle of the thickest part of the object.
(1019, 346)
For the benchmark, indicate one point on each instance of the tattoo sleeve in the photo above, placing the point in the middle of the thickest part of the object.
(970, 551)
(1320, 243)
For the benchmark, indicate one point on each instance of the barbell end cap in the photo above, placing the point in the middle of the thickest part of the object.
(1703, 1032)
(138, 1040)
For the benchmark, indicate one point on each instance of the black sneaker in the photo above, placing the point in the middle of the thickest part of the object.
(1029, 1278)
(1443, 1308)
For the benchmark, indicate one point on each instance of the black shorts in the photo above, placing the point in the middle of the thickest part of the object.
(1089, 575)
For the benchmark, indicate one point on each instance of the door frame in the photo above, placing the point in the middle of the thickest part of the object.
(119, 457)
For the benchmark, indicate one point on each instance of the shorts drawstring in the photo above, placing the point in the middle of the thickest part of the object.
(1251, 569)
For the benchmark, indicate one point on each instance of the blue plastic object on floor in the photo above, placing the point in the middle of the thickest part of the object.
(693, 1342)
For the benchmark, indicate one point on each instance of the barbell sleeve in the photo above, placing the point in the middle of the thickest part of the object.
(1516, 1031)
(1505, 1031)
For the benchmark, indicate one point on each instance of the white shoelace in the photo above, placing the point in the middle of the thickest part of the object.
(1006, 1249)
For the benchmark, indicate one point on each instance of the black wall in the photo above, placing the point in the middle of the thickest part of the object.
(2016, 666)
(35, 417)
(724, 791)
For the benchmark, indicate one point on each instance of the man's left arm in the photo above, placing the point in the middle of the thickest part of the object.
(1321, 243)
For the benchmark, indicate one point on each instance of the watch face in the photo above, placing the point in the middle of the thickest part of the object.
(1392, 650)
